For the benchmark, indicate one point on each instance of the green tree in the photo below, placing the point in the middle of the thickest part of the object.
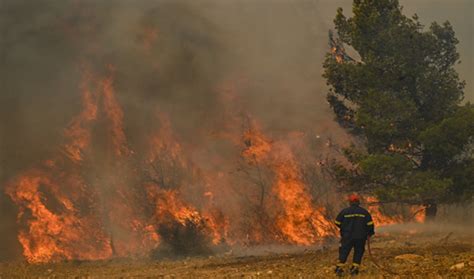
(396, 89)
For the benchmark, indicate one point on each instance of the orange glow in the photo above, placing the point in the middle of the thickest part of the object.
(78, 132)
(55, 234)
(114, 114)
(98, 198)
(58, 212)
(166, 150)
(257, 145)
(379, 218)
(53, 227)
(337, 54)
(164, 141)
(168, 203)
(148, 36)
(300, 222)
(418, 213)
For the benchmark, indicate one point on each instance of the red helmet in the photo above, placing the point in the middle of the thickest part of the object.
(353, 198)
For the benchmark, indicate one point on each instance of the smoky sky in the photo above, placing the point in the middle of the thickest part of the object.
(275, 47)
(172, 56)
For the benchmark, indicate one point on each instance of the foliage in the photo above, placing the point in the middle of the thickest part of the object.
(401, 95)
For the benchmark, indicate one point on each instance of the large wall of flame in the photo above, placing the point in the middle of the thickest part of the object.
(172, 57)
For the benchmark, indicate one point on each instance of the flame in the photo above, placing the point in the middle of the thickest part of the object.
(169, 203)
(78, 132)
(300, 221)
(165, 143)
(337, 54)
(379, 218)
(418, 213)
(169, 206)
(257, 145)
(114, 114)
(59, 211)
(129, 230)
(54, 228)
(55, 234)
(218, 225)
(97, 198)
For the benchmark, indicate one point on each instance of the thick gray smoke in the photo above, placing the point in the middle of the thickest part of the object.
(170, 56)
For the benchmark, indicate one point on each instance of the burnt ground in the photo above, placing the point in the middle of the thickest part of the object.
(404, 253)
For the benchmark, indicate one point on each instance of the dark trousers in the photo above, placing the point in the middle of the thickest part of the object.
(346, 246)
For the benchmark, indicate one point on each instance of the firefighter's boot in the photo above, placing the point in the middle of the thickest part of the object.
(354, 269)
(339, 271)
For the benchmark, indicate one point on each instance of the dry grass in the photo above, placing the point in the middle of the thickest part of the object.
(437, 252)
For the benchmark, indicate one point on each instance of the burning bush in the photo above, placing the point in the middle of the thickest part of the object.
(186, 238)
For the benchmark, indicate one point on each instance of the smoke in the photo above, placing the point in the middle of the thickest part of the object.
(195, 47)
(167, 57)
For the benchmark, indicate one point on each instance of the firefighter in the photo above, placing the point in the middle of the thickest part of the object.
(356, 226)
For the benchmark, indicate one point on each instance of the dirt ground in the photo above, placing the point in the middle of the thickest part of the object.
(401, 253)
